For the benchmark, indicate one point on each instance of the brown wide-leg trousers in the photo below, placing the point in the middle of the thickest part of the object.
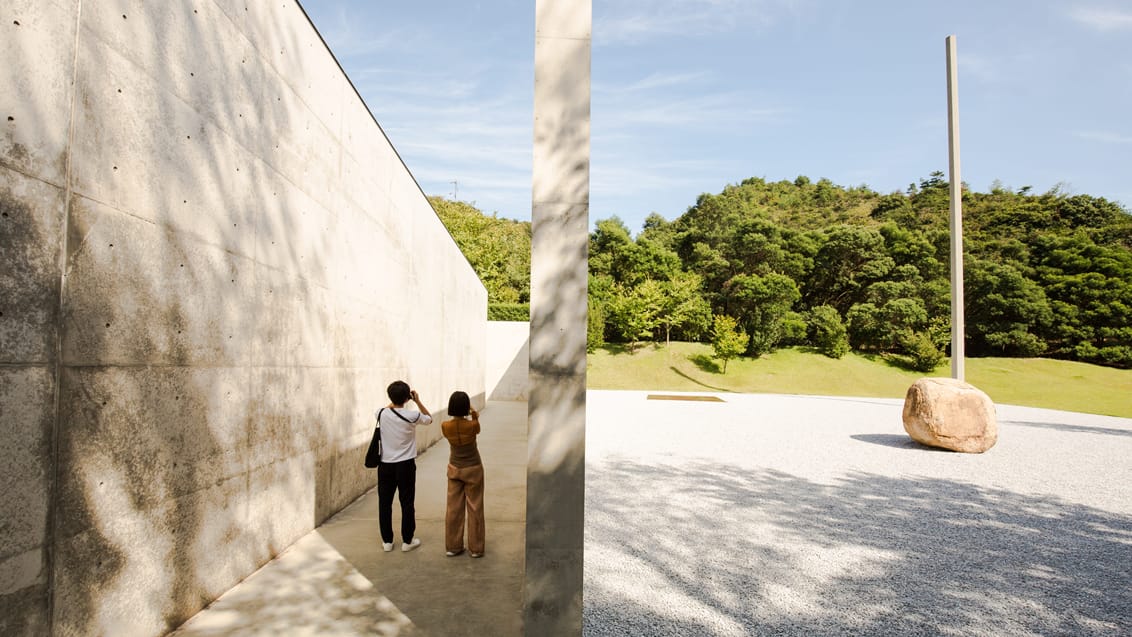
(465, 491)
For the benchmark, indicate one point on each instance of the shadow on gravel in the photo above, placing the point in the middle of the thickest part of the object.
(897, 441)
(705, 549)
(1083, 429)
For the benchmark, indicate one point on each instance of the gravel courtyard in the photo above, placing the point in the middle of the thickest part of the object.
(802, 515)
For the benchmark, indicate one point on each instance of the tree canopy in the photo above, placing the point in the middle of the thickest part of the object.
(803, 262)
(814, 263)
(499, 250)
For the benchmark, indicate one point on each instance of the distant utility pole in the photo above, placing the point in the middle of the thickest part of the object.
(957, 327)
(455, 191)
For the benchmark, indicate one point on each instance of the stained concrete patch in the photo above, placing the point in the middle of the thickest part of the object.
(31, 214)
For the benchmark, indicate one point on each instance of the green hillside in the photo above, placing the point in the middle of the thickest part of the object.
(1034, 382)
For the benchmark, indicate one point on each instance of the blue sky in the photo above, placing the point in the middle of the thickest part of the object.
(691, 95)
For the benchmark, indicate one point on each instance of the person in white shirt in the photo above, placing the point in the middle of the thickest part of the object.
(397, 472)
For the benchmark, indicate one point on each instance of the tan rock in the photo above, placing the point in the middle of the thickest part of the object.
(951, 414)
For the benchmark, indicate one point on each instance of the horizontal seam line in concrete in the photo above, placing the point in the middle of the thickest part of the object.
(41, 180)
(200, 239)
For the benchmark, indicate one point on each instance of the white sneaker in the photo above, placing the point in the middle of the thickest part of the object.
(388, 546)
(453, 553)
(411, 545)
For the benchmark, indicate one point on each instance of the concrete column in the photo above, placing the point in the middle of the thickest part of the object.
(559, 246)
(957, 327)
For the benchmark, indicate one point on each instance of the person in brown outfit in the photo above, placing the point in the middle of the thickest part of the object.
(465, 478)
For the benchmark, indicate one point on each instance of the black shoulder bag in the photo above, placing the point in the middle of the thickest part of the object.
(373, 454)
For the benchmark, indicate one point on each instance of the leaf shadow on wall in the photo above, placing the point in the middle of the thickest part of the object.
(192, 446)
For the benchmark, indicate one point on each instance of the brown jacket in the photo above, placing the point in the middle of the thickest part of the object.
(461, 434)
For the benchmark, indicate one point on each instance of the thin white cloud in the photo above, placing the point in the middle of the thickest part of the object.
(694, 112)
(350, 40)
(1102, 18)
(637, 21)
(1106, 137)
(413, 85)
(657, 80)
(621, 176)
(468, 151)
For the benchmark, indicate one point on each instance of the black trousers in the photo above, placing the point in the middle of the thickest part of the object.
(400, 478)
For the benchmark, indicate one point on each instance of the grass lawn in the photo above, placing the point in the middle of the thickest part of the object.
(1034, 382)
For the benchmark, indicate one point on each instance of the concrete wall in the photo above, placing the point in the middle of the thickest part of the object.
(556, 409)
(508, 360)
(212, 262)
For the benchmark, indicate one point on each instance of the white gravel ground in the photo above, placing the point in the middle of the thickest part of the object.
(802, 515)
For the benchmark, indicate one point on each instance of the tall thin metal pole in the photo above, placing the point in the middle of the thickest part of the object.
(957, 326)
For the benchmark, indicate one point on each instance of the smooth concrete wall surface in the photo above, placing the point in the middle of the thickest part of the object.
(508, 360)
(212, 263)
(556, 434)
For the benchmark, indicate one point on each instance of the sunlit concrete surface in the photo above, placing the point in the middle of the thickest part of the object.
(560, 180)
(212, 263)
(797, 515)
(507, 361)
(337, 580)
(310, 589)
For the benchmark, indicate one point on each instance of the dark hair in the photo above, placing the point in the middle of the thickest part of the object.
(399, 392)
(459, 405)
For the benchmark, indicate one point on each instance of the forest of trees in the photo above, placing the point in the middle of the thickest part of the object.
(839, 268)
(499, 250)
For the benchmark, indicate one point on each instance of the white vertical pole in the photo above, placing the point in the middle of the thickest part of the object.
(957, 312)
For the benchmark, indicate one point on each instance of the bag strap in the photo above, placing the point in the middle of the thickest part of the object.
(402, 417)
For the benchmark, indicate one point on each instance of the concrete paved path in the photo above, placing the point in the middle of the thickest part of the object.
(336, 580)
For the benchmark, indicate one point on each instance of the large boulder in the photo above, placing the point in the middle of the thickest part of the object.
(951, 414)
